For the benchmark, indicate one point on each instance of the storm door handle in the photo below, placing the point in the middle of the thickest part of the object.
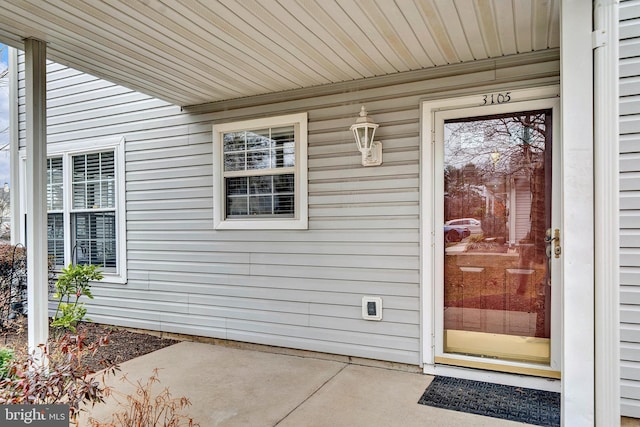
(553, 241)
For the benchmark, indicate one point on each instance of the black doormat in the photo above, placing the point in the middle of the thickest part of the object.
(494, 400)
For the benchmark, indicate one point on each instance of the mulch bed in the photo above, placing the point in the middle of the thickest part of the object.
(123, 344)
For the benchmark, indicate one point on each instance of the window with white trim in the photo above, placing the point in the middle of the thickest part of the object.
(85, 207)
(260, 173)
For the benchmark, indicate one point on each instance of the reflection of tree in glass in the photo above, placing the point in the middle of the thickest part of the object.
(464, 192)
(259, 149)
(484, 154)
(504, 144)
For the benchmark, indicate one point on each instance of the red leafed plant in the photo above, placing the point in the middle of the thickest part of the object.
(57, 375)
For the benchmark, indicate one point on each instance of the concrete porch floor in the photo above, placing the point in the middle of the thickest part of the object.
(240, 387)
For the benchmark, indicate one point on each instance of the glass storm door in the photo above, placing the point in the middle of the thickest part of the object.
(497, 250)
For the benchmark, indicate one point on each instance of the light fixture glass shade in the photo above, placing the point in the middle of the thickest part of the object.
(363, 134)
(364, 129)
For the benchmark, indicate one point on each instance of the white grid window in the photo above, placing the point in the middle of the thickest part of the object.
(85, 205)
(245, 153)
(260, 173)
(93, 212)
(94, 183)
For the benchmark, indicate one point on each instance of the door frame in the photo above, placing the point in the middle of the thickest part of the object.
(430, 200)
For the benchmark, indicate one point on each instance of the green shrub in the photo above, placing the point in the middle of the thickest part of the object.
(6, 356)
(73, 283)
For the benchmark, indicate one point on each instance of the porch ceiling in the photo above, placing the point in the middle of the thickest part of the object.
(198, 51)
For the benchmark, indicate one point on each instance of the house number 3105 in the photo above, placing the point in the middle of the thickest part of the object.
(496, 98)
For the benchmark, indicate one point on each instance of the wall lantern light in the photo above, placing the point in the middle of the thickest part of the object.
(363, 131)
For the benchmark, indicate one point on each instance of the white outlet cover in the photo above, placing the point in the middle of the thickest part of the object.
(378, 304)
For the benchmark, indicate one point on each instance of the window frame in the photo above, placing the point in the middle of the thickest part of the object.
(67, 151)
(300, 219)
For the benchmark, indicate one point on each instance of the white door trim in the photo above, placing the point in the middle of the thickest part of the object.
(576, 84)
(430, 197)
(519, 100)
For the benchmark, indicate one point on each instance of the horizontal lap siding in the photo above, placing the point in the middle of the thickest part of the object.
(630, 207)
(299, 289)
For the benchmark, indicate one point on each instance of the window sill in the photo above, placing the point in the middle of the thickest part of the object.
(113, 279)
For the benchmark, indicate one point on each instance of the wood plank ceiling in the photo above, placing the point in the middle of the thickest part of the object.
(197, 51)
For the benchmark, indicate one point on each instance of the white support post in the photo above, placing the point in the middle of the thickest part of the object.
(14, 160)
(576, 87)
(37, 288)
(607, 212)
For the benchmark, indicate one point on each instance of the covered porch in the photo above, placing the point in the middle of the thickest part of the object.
(200, 55)
(262, 387)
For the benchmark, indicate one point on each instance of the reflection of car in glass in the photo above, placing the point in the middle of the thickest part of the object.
(455, 234)
(474, 226)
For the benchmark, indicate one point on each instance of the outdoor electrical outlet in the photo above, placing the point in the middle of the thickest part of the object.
(372, 308)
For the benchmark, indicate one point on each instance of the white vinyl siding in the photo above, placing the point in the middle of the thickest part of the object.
(294, 288)
(630, 208)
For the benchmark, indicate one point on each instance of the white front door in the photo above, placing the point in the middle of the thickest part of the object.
(494, 244)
